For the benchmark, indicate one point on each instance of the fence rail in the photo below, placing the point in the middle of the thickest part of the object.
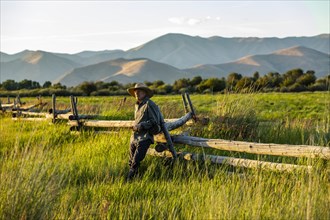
(253, 148)
(237, 162)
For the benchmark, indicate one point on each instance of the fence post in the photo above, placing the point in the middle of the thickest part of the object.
(18, 100)
(191, 107)
(168, 137)
(54, 107)
(74, 110)
(185, 104)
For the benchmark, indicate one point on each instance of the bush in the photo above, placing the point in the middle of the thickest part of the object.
(284, 89)
(207, 91)
(318, 87)
(101, 92)
(297, 88)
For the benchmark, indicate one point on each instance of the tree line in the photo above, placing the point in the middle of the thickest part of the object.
(295, 80)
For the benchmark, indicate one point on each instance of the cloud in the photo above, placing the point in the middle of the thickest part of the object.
(177, 20)
(192, 21)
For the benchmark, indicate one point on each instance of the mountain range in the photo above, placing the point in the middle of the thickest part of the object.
(39, 66)
(280, 61)
(170, 57)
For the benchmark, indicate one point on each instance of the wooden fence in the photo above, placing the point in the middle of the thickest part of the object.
(80, 121)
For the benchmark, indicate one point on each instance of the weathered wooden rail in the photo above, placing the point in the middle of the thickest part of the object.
(170, 123)
(237, 162)
(253, 148)
(18, 106)
(27, 113)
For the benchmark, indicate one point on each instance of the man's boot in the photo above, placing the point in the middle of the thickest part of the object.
(131, 174)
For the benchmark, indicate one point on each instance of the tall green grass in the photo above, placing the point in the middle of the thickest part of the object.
(48, 172)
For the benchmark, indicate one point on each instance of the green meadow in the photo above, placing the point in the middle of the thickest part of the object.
(48, 172)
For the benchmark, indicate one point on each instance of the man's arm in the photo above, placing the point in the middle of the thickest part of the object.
(151, 112)
(152, 117)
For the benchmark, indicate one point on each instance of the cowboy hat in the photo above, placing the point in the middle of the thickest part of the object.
(142, 86)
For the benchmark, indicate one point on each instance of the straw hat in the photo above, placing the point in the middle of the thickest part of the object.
(142, 86)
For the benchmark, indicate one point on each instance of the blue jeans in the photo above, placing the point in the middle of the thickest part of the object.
(138, 151)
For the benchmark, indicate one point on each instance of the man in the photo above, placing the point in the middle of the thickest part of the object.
(147, 115)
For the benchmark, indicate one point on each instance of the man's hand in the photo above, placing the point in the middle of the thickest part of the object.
(137, 127)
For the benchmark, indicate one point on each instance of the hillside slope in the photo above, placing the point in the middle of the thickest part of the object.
(124, 71)
(39, 66)
(183, 51)
(279, 61)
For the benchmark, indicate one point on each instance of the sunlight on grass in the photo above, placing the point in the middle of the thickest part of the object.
(48, 172)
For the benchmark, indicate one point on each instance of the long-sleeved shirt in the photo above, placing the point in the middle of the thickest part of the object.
(147, 114)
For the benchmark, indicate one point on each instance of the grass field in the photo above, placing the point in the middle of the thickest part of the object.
(48, 172)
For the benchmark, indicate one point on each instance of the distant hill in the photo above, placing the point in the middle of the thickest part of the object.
(279, 61)
(124, 71)
(4, 57)
(134, 70)
(183, 51)
(180, 54)
(92, 57)
(39, 66)
(7, 57)
(87, 53)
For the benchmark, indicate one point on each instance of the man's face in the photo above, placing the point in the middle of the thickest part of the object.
(139, 94)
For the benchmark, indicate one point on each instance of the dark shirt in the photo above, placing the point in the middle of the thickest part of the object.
(147, 114)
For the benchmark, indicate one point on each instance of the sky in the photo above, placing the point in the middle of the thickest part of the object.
(75, 26)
